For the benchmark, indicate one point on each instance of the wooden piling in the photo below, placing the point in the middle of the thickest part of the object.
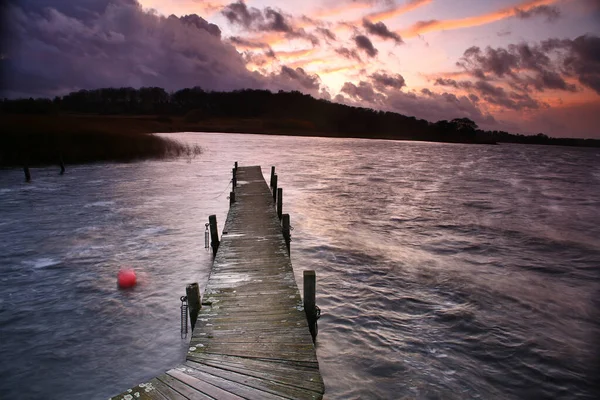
(234, 179)
(285, 228)
(272, 177)
(279, 202)
(310, 287)
(27, 173)
(231, 198)
(194, 304)
(235, 166)
(62, 165)
(274, 187)
(214, 233)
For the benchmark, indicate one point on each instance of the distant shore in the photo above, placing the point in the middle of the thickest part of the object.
(41, 139)
(44, 139)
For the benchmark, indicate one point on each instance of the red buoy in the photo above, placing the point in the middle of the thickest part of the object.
(126, 278)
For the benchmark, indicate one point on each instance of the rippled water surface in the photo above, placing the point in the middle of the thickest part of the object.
(443, 271)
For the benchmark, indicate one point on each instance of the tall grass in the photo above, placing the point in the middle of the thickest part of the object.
(44, 140)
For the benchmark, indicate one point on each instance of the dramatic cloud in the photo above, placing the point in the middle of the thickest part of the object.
(581, 58)
(269, 20)
(201, 23)
(119, 45)
(363, 43)
(292, 79)
(543, 66)
(382, 81)
(363, 92)
(379, 29)
(550, 12)
(349, 54)
(327, 34)
(511, 100)
(238, 13)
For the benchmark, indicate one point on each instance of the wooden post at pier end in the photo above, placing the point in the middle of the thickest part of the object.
(27, 173)
(231, 198)
(272, 176)
(234, 179)
(235, 165)
(286, 230)
(274, 187)
(194, 305)
(62, 165)
(214, 233)
(310, 308)
(279, 202)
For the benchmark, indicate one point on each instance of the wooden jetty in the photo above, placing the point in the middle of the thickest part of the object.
(251, 339)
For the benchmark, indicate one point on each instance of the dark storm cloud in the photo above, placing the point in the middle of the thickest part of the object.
(363, 43)
(67, 46)
(453, 83)
(327, 34)
(551, 13)
(497, 61)
(363, 92)
(269, 20)
(295, 79)
(382, 81)
(239, 14)
(581, 59)
(349, 54)
(248, 43)
(511, 100)
(201, 23)
(381, 30)
(542, 66)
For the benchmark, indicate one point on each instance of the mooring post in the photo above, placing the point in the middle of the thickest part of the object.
(62, 165)
(274, 187)
(279, 202)
(214, 233)
(310, 308)
(194, 305)
(272, 176)
(235, 166)
(231, 198)
(285, 227)
(27, 173)
(234, 184)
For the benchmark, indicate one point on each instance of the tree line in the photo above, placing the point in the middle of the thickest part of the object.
(291, 111)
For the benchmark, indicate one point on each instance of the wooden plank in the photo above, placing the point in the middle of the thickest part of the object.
(166, 391)
(271, 372)
(239, 387)
(202, 386)
(182, 389)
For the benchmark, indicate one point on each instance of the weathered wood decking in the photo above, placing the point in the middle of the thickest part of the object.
(251, 340)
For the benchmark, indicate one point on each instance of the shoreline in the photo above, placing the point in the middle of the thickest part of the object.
(37, 140)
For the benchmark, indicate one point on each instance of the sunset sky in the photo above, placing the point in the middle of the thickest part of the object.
(523, 66)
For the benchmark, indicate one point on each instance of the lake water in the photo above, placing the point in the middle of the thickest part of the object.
(444, 271)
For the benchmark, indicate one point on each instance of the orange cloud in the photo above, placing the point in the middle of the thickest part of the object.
(294, 53)
(438, 25)
(396, 11)
(334, 70)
